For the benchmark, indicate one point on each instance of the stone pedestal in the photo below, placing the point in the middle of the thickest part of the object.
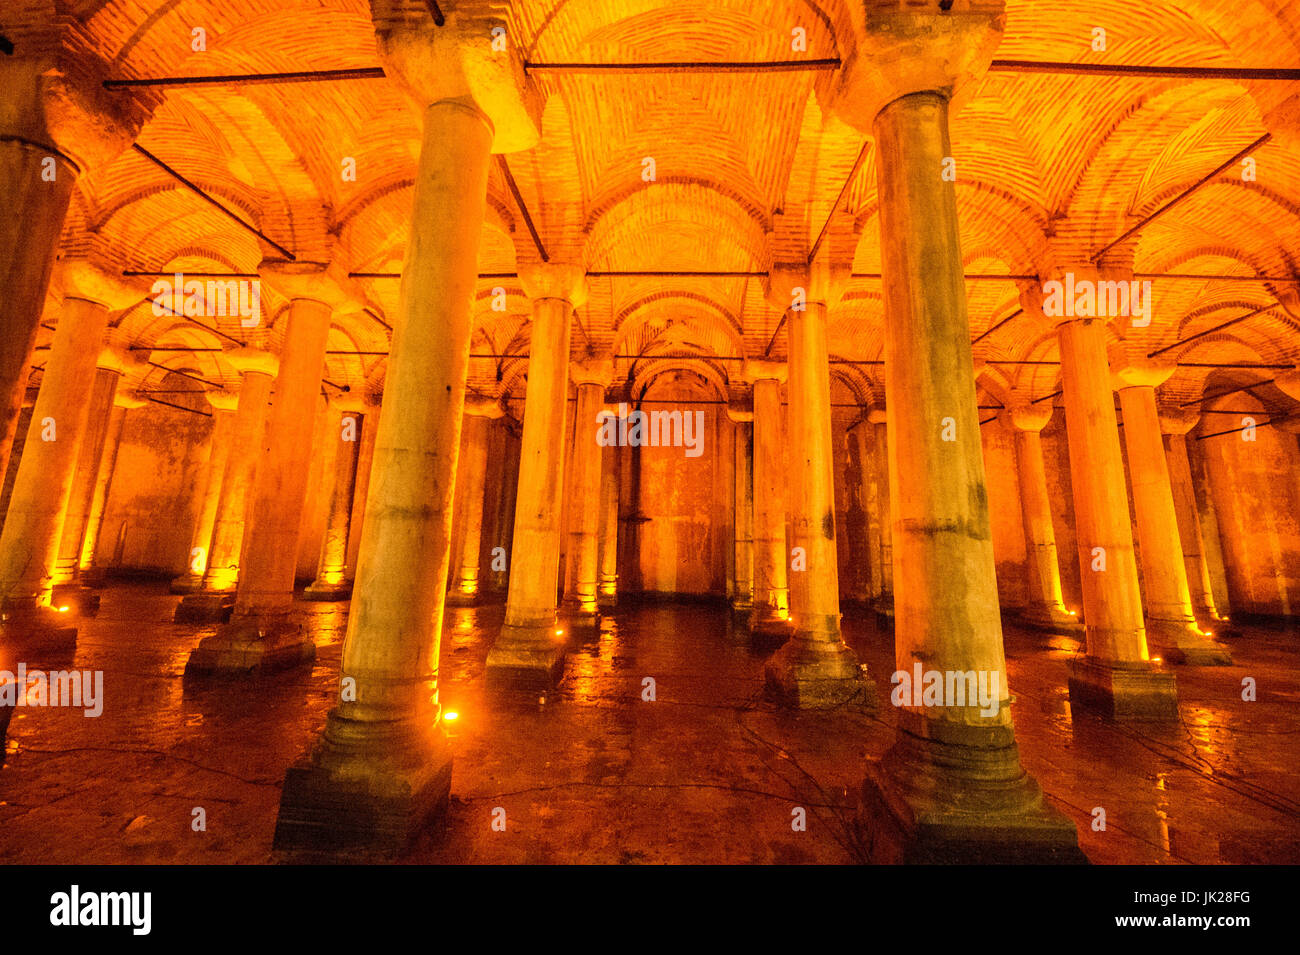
(1119, 691)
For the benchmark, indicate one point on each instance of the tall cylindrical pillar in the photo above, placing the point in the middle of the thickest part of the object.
(331, 581)
(223, 404)
(466, 588)
(581, 580)
(771, 617)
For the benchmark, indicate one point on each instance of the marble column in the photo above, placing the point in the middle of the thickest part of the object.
(815, 669)
(365, 463)
(33, 527)
(951, 788)
(1045, 607)
(1176, 424)
(861, 433)
(466, 588)
(331, 580)
(742, 508)
(530, 648)
(92, 571)
(68, 587)
(1170, 617)
(607, 586)
(223, 404)
(878, 418)
(771, 616)
(214, 600)
(384, 747)
(1117, 677)
(262, 635)
(590, 379)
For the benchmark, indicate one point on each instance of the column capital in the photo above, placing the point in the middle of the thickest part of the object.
(597, 372)
(246, 360)
(1289, 383)
(129, 400)
(756, 369)
(789, 285)
(566, 282)
(1030, 417)
(94, 281)
(878, 416)
(900, 47)
(1086, 292)
(484, 406)
(741, 411)
(222, 400)
(119, 359)
(1129, 372)
(324, 282)
(471, 60)
(1177, 420)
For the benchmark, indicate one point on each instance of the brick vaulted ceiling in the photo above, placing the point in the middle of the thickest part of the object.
(748, 169)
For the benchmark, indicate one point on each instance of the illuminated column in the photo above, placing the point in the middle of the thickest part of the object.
(815, 668)
(261, 636)
(1117, 677)
(331, 581)
(1045, 607)
(1171, 621)
(223, 405)
(861, 434)
(383, 765)
(67, 568)
(530, 648)
(1189, 519)
(607, 589)
(92, 567)
(742, 509)
(215, 598)
(33, 527)
(365, 463)
(771, 615)
(53, 127)
(465, 590)
(878, 418)
(590, 378)
(951, 788)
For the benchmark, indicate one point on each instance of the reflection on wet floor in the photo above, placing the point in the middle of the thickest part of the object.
(657, 746)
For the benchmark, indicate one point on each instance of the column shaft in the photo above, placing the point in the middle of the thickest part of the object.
(1046, 606)
(1189, 530)
(885, 539)
(473, 473)
(269, 554)
(91, 570)
(103, 392)
(365, 462)
(331, 570)
(771, 588)
(742, 600)
(1170, 617)
(584, 508)
(33, 526)
(607, 590)
(223, 431)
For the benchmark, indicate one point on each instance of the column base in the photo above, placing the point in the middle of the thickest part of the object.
(574, 617)
(370, 795)
(1119, 691)
(92, 576)
(957, 795)
(318, 591)
(818, 674)
(78, 598)
(249, 647)
(1182, 642)
(529, 658)
(768, 629)
(34, 628)
(205, 607)
(186, 584)
(1049, 620)
(459, 598)
(606, 599)
(885, 613)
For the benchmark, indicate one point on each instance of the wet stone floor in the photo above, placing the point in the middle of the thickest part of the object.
(707, 772)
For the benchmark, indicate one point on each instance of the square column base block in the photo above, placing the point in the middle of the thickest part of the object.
(606, 601)
(458, 598)
(897, 830)
(92, 576)
(527, 658)
(1122, 691)
(1049, 620)
(813, 674)
(38, 630)
(580, 620)
(374, 807)
(205, 608)
(78, 598)
(339, 591)
(186, 584)
(250, 648)
(1182, 642)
